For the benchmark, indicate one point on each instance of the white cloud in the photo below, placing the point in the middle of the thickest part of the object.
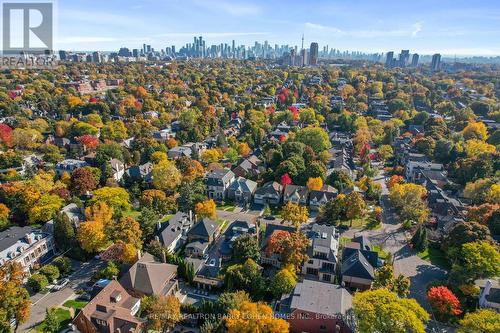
(230, 7)
(417, 27)
(211, 34)
(407, 32)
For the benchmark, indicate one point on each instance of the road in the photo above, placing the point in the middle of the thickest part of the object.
(42, 302)
(393, 238)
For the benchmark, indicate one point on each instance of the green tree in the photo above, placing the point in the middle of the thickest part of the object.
(63, 264)
(315, 137)
(419, 239)
(246, 247)
(37, 282)
(51, 322)
(51, 272)
(245, 277)
(64, 234)
(383, 311)
(283, 282)
(480, 321)
(477, 260)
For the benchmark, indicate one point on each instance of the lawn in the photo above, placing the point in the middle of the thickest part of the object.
(435, 256)
(344, 240)
(75, 304)
(226, 207)
(381, 253)
(63, 317)
(223, 225)
(133, 213)
(356, 223)
(166, 218)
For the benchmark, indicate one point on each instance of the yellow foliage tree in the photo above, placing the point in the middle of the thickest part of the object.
(251, 317)
(166, 176)
(206, 208)
(475, 130)
(295, 214)
(315, 183)
(91, 236)
(211, 155)
(243, 149)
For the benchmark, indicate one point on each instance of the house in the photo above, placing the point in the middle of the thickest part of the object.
(241, 190)
(74, 213)
(206, 277)
(178, 152)
(138, 172)
(269, 193)
(217, 182)
(173, 233)
(412, 167)
(150, 277)
(250, 166)
(317, 198)
(163, 135)
(112, 310)
(296, 194)
(322, 253)
(201, 236)
(27, 246)
(69, 165)
(317, 307)
(117, 169)
(489, 297)
(359, 263)
(272, 259)
(236, 229)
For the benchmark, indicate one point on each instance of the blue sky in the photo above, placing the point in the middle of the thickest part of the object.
(450, 27)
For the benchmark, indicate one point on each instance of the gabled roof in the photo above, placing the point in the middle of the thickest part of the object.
(295, 190)
(243, 184)
(223, 174)
(204, 228)
(269, 188)
(148, 276)
(363, 241)
(357, 265)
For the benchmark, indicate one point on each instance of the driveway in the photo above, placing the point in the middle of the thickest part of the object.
(40, 302)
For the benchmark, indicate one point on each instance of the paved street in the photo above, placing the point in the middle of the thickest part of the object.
(41, 302)
(392, 237)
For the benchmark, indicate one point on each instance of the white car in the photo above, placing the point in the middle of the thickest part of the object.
(61, 284)
(212, 262)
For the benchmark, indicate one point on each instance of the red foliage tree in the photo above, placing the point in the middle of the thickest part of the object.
(5, 134)
(93, 99)
(83, 180)
(444, 303)
(285, 179)
(89, 141)
(275, 242)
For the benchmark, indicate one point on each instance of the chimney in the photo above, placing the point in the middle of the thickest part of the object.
(157, 238)
(158, 225)
(29, 238)
(190, 216)
(138, 254)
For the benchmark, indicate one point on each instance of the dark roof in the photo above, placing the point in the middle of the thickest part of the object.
(318, 297)
(222, 174)
(170, 230)
(204, 228)
(371, 256)
(301, 191)
(357, 265)
(363, 241)
(269, 188)
(10, 236)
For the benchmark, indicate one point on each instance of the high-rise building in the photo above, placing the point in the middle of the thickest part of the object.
(144, 50)
(436, 62)
(414, 60)
(63, 55)
(389, 59)
(96, 57)
(135, 53)
(404, 56)
(313, 56)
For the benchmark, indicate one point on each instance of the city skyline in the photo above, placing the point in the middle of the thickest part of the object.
(427, 27)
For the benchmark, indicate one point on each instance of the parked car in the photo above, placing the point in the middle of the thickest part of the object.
(61, 284)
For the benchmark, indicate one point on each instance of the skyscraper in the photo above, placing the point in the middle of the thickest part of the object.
(436, 62)
(313, 57)
(404, 56)
(414, 60)
(388, 59)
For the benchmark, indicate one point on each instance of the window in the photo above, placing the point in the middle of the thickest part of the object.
(312, 271)
(327, 277)
(322, 327)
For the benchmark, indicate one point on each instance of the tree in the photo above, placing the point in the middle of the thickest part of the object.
(115, 197)
(480, 321)
(166, 176)
(245, 277)
(45, 208)
(64, 234)
(466, 232)
(51, 322)
(477, 260)
(190, 193)
(246, 247)
(206, 208)
(419, 239)
(162, 312)
(475, 130)
(14, 298)
(409, 200)
(315, 184)
(83, 180)
(37, 282)
(51, 272)
(285, 179)
(124, 229)
(284, 281)
(355, 206)
(91, 236)
(383, 311)
(341, 180)
(315, 137)
(254, 318)
(385, 278)
(444, 303)
(63, 264)
(292, 248)
(243, 149)
(385, 152)
(158, 201)
(295, 214)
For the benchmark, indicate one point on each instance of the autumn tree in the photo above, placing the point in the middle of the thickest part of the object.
(480, 321)
(444, 303)
(15, 301)
(91, 236)
(162, 312)
(166, 176)
(383, 311)
(292, 248)
(477, 260)
(206, 208)
(284, 281)
(475, 130)
(83, 180)
(385, 278)
(124, 229)
(410, 201)
(254, 318)
(115, 197)
(295, 214)
(45, 208)
(244, 247)
(315, 184)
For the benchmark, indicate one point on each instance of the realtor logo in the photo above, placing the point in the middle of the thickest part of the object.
(27, 27)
